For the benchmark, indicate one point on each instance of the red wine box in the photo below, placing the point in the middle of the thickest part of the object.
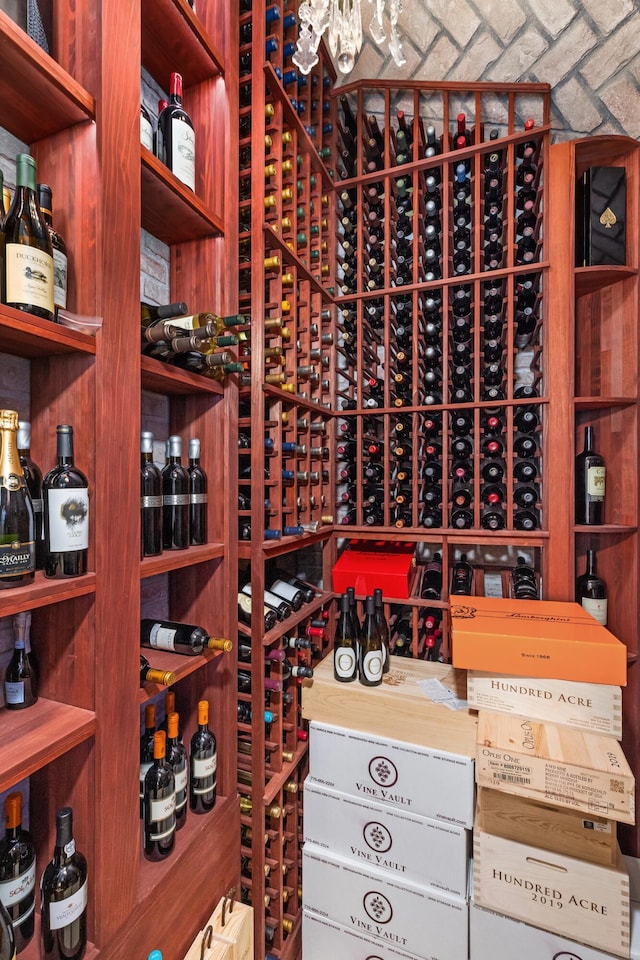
(544, 761)
(490, 931)
(322, 938)
(369, 564)
(583, 901)
(535, 638)
(594, 707)
(404, 844)
(431, 783)
(407, 916)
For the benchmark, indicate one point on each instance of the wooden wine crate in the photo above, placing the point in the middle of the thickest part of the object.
(400, 708)
(232, 924)
(594, 707)
(544, 825)
(584, 901)
(554, 764)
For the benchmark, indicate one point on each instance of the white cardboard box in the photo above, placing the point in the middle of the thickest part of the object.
(415, 848)
(322, 938)
(407, 916)
(431, 783)
(490, 932)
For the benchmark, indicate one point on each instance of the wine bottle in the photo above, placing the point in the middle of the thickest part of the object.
(590, 481)
(149, 674)
(591, 590)
(175, 499)
(64, 895)
(244, 612)
(150, 313)
(17, 873)
(289, 592)
(159, 803)
(146, 128)
(462, 577)
(370, 666)
(60, 262)
(28, 252)
(17, 526)
(178, 137)
(150, 500)
(146, 748)
(198, 497)
(523, 578)
(179, 637)
(7, 937)
(381, 620)
(431, 587)
(20, 682)
(66, 512)
(33, 476)
(345, 647)
(202, 764)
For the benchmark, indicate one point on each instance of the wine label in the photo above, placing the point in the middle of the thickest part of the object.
(60, 278)
(372, 666)
(199, 498)
(150, 502)
(204, 768)
(146, 133)
(14, 693)
(29, 276)
(181, 777)
(16, 558)
(68, 512)
(160, 810)
(175, 500)
(64, 912)
(162, 638)
(14, 891)
(596, 480)
(597, 609)
(345, 662)
(183, 152)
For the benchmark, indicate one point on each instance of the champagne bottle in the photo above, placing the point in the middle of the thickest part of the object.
(590, 481)
(371, 648)
(345, 647)
(146, 748)
(177, 760)
(179, 638)
(591, 590)
(7, 937)
(20, 682)
(198, 498)
(60, 262)
(64, 895)
(175, 499)
(17, 873)
(178, 136)
(17, 527)
(28, 266)
(149, 674)
(202, 764)
(151, 502)
(159, 803)
(383, 626)
(66, 512)
(33, 476)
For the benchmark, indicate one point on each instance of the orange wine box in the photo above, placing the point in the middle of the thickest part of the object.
(535, 638)
(370, 564)
(544, 761)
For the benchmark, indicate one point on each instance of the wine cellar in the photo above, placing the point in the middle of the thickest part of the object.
(408, 357)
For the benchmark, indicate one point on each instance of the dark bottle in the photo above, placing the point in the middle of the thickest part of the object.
(493, 519)
(431, 587)
(175, 499)
(150, 313)
(590, 481)
(525, 471)
(461, 518)
(64, 895)
(492, 471)
(525, 495)
(175, 131)
(33, 476)
(20, 681)
(59, 249)
(146, 748)
(150, 499)
(202, 764)
(159, 803)
(28, 251)
(345, 645)
(526, 520)
(66, 512)
(198, 497)
(462, 577)
(523, 579)
(371, 662)
(179, 638)
(17, 526)
(381, 621)
(591, 590)
(149, 674)
(17, 873)
(525, 420)
(7, 936)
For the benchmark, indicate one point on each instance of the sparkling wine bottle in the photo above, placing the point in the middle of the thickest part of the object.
(20, 682)
(17, 526)
(178, 136)
(345, 648)
(151, 502)
(33, 476)
(202, 764)
(28, 253)
(17, 873)
(591, 590)
(66, 512)
(64, 895)
(179, 637)
(159, 803)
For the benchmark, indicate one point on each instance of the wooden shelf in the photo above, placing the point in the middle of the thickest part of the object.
(284, 626)
(178, 663)
(603, 403)
(311, 405)
(23, 335)
(602, 528)
(170, 211)
(164, 378)
(43, 592)
(37, 97)
(591, 279)
(170, 560)
(173, 38)
(274, 548)
(32, 738)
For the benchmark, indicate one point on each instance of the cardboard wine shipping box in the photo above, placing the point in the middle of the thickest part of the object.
(322, 938)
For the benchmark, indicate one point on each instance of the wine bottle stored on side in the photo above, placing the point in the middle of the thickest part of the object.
(175, 130)
(591, 590)
(150, 313)
(17, 525)
(198, 496)
(149, 674)
(177, 637)
(178, 761)
(20, 681)
(33, 476)
(175, 499)
(159, 803)
(345, 647)
(590, 482)
(60, 262)
(18, 872)
(28, 251)
(370, 666)
(270, 617)
(64, 895)
(151, 502)
(202, 764)
(66, 512)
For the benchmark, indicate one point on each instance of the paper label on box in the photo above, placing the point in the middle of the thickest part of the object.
(436, 691)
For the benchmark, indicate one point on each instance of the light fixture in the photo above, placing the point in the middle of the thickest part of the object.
(343, 20)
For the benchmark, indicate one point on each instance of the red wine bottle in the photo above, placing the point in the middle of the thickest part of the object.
(198, 497)
(591, 590)
(64, 895)
(175, 131)
(150, 500)
(175, 499)
(20, 681)
(18, 872)
(159, 803)
(590, 481)
(202, 764)
(66, 512)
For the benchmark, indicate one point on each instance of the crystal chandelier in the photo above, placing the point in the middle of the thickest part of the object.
(343, 20)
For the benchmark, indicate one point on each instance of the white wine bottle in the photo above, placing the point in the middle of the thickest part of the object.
(66, 512)
(178, 136)
(60, 260)
(28, 267)
(64, 895)
(17, 524)
(345, 647)
(371, 648)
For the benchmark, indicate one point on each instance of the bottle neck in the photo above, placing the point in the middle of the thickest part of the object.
(13, 833)
(588, 439)
(9, 457)
(64, 448)
(591, 562)
(146, 457)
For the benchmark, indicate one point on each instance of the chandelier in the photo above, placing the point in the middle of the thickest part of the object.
(343, 20)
